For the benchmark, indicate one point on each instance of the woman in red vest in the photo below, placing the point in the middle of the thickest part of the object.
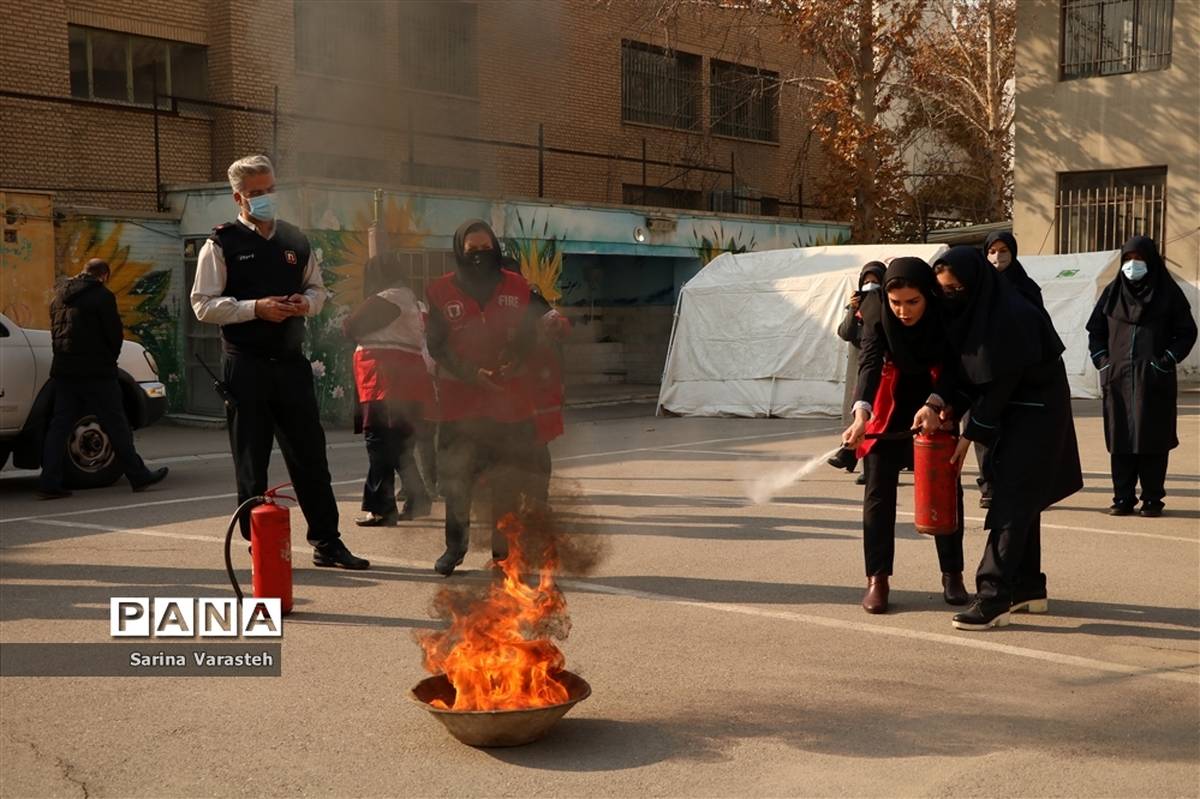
(482, 328)
(394, 388)
(902, 385)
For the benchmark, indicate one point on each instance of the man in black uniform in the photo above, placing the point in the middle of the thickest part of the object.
(258, 279)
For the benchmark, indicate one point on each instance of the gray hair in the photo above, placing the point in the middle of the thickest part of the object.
(250, 165)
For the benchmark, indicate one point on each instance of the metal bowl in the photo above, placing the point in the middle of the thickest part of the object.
(497, 727)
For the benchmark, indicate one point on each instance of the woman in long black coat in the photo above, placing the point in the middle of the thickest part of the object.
(1012, 364)
(870, 278)
(1141, 328)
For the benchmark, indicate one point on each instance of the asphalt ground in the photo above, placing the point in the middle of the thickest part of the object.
(724, 642)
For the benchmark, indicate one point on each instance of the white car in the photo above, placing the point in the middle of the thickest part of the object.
(27, 402)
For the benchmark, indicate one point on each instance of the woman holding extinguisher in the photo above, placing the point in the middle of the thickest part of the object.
(1012, 366)
(902, 385)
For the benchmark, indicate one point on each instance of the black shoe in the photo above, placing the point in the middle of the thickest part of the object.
(844, 459)
(982, 614)
(1030, 601)
(415, 510)
(335, 554)
(1152, 510)
(985, 502)
(1120, 509)
(861, 480)
(377, 520)
(153, 478)
(953, 590)
(450, 560)
(53, 493)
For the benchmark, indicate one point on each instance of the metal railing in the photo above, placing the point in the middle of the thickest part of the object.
(1112, 37)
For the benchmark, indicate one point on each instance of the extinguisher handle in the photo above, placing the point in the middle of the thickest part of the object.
(270, 493)
(900, 435)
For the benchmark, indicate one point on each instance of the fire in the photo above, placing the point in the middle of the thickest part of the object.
(496, 652)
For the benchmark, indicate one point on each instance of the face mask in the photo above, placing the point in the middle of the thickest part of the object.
(1000, 260)
(481, 263)
(869, 287)
(262, 207)
(956, 303)
(1135, 270)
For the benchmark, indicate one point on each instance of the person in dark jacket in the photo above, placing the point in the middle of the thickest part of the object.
(903, 384)
(87, 336)
(1141, 328)
(870, 278)
(1011, 364)
(1001, 249)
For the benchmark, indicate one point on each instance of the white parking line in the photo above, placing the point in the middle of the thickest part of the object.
(968, 641)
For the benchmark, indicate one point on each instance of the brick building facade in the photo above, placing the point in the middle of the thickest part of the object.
(369, 91)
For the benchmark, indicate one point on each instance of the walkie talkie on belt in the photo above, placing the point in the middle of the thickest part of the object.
(220, 386)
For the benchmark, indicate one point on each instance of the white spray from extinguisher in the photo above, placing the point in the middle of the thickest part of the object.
(767, 487)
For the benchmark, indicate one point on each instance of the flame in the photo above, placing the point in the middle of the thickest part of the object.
(496, 652)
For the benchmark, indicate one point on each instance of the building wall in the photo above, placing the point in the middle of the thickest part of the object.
(1113, 122)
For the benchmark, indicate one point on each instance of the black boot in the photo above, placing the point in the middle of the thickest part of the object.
(982, 614)
(416, 509)
(334, 553)
(1030, 600)
(456, 549)
(152, 478)
(953, 590)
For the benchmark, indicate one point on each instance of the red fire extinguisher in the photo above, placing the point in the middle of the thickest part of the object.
(935, 484)
(270, 548)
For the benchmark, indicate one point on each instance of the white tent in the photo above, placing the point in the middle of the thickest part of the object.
(755, 334)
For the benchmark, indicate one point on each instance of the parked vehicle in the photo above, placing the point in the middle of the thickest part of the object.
(27, 402)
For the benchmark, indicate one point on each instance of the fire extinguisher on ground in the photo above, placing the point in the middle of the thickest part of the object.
(270, 547)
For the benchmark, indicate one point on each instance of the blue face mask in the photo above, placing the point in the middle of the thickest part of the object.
(1134, 270)
(262, 207)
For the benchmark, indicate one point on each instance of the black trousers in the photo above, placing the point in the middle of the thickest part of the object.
(498, 453)
(882, 467)
(984, 456)
(1012, 560)
(1127, 469)
(276, 400)
(74, 399)
(389, 431)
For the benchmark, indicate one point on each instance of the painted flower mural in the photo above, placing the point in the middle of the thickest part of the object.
(708, 248)
(539, 257)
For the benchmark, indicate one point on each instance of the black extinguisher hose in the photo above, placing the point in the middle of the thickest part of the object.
(233, 521)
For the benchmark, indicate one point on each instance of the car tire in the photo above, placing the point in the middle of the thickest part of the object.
(91, 461)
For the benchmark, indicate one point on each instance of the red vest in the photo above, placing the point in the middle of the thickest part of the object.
(885, 404)
(483, 337)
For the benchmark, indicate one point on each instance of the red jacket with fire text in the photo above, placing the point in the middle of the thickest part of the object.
(482, 337)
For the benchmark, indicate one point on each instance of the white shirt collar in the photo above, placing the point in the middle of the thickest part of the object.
(250, 225)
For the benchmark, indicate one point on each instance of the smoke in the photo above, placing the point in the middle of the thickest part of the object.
(765, 488)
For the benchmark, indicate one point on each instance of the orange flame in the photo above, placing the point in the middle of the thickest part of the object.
(496, 652)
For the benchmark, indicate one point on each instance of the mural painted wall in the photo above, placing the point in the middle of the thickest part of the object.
(27, 258)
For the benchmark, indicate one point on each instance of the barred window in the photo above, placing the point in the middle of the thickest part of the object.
(439, 47)
(661, 196)
(106, 65)
(343, 40)
(744, 101)
(660, 87)
(1102, 210)
(1112, 37)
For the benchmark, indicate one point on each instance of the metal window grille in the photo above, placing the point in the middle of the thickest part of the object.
(438, 47)
(659, 87)
(1102, 210)
(661, 197)
(339, 39)
(744, 101)
(1112, 37)
(107, 65)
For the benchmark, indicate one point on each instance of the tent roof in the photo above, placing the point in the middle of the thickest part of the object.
(729, 269)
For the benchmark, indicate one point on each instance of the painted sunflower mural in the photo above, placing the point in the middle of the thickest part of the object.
(143, 290)
(539, 257)
(342, 255)
(708, 248)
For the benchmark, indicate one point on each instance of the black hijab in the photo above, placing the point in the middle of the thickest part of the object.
(383, 272)
(1134, 303)
(477, 272)
(996, 331)
(913, 349)
(1015, 273)
(876, 268)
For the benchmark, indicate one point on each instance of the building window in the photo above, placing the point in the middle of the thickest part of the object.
(439, 47)
(1102, 210)
(661, 196)
(442, 177)
(660, 87)
(106, 65)
(744, 101)
(1112, 37)
(339, 39)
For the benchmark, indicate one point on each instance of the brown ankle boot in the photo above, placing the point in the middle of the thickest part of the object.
(953, 590)
(876, 598)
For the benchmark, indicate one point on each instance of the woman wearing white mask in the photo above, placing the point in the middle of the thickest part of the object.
(870, 278)
(1140, 329)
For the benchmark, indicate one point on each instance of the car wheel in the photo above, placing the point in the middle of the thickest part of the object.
(91, 461)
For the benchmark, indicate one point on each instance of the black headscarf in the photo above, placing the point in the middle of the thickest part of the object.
(1015, 273)
(477, 272)
(1132, 302)
(383, 272)
(876, 268)
(913, 349)
(996, 331)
